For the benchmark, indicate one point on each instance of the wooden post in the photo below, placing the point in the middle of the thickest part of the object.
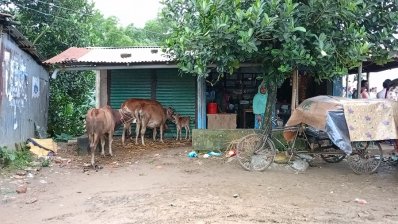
(359, 79)
(346, 86)
(101, 88)
(201, 103)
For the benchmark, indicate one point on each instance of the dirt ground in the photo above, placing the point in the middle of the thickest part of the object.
(160, 184)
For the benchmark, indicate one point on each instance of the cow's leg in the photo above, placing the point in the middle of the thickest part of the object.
(137, 131)
(161, 132)
(155, 132)
(110, 140)
(93, 147)
(186, 132)
(189, 132)
(126, 132)
(103, 145)
(143, 129)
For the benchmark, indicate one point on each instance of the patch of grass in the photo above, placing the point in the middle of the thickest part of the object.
(45, 163)
(15, 159)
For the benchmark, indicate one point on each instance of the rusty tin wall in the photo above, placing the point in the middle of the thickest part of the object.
(24, 94)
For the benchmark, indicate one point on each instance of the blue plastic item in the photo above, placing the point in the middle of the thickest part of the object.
(192, 154)
(214, 153)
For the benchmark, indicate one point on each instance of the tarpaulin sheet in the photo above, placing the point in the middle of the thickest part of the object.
(42, 147)
(347, 120)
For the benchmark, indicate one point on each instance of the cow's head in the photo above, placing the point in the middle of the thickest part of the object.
(169, 113)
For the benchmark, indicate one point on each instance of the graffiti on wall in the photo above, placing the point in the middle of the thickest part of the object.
(35, 87)
(16, 80)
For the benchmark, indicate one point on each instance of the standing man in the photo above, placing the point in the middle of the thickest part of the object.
(383, 93)
(259, 104)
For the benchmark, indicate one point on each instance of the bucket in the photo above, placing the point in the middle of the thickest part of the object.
(211, 108)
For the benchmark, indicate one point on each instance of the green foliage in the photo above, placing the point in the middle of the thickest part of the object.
(322, 38)
(53, 26)
(45, 163)
(71, 96)
(63, 137)
(6, 156)
(15, 159)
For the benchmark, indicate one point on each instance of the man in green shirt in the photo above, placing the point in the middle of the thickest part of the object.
(259, 104)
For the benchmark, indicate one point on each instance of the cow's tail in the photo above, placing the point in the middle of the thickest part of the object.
(90, 121)
(94, 141)
(94, 112)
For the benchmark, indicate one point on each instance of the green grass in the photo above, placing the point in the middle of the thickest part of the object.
(19, 158)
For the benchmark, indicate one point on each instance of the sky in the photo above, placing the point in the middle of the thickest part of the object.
(129, 11)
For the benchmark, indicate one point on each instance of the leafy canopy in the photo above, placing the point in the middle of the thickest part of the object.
(325, 38)
(53, 26)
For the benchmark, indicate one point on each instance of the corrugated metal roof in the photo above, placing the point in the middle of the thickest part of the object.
(70, 55)
(18, 37)
(101, 55)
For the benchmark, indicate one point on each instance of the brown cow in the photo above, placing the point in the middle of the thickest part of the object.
(131, 105)
(152, 116)
(147, 113)
(182, 122)
(100, 122)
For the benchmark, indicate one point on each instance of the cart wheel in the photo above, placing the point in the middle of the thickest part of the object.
(366, 157)
(332, 158)
(254, 154)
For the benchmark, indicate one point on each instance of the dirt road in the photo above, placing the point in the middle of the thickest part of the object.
(164, 186)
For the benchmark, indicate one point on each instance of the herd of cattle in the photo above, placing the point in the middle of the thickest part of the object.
(145, 112)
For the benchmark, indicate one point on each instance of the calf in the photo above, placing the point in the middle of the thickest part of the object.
(182, 122)
(100, 122)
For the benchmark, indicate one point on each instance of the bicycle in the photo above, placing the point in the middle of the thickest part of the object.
(257, 151)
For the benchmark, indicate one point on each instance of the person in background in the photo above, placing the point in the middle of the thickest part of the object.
(373, 93)
(349, 93)
(364, 89)
(383, 93)
(354, 93)
(259, 104)
(392, 94)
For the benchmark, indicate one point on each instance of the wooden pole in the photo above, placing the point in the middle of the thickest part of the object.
(359, 79)
(346, 86)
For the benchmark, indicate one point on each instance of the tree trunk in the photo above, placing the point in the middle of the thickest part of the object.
(271, 101)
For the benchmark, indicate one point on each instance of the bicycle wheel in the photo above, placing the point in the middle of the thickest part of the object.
(366, 157)
(254, 153)
(332, 158)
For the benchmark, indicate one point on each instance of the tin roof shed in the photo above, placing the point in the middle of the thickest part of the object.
(109, 56)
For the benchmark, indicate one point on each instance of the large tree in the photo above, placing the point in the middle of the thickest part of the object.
(53, 26)
(323, 38)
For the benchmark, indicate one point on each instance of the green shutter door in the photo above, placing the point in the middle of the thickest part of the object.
(172, 90)
(178, 92)
(125, 84)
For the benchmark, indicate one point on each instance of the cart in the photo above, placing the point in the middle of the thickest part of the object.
(335, 128)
